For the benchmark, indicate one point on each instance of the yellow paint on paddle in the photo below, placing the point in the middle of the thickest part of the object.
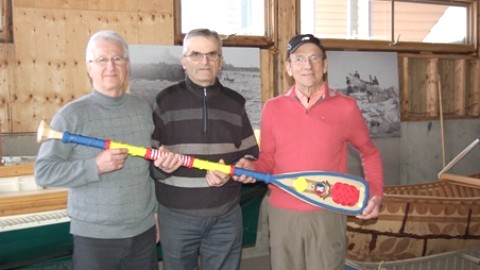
(300, 184)
(212, 166)
(132, 150)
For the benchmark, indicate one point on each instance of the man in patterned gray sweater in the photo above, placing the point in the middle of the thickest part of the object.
(111, 199)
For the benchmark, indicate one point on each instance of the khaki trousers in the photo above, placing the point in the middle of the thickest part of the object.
(307, 240)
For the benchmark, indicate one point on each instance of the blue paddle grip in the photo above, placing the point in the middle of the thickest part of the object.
(264, 177)
(83, 140)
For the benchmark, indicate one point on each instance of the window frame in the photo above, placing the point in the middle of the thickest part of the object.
(271, 24)
(266, 41)
(417, 47)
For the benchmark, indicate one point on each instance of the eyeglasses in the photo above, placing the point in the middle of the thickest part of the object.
(301, 60)
(116, 60)
(198, 56)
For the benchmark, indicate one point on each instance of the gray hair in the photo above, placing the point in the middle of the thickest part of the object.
(105, 35)
(201, 32)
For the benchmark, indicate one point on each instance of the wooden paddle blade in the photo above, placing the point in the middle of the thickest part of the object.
(336, 192)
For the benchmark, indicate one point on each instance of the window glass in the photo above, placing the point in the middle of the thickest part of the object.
(442, 22)
(240, 17)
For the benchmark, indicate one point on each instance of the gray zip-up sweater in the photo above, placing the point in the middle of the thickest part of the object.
(208, 123)
(117, 204)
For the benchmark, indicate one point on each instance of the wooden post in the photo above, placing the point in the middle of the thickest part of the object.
(431, 87)
(404, 87)
(1, 143)
(473, 100)
(459, 87)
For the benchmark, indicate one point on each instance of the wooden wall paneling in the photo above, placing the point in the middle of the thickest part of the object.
(68, 4)
(156, 28)
(47, 92)
(431, 87)
(473, 87)
(453, 78)
(125, 23)
(107, 5)
(114, 5)
(416, 88)
(446, 68)
(77, 35)
(51, 68)
(26, 58)
(160, 6)
(7, 85)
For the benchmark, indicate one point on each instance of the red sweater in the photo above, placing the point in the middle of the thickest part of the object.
(295, 139)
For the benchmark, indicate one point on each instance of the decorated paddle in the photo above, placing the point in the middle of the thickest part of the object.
(336, 192)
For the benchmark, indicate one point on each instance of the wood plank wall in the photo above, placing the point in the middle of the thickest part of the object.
(44, 68)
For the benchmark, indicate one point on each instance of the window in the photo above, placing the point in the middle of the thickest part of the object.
(239, 22)
(239, 17)
(434, 21)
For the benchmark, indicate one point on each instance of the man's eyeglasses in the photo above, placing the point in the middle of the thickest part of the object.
(116, 60)
(301, 60)
(198, 56)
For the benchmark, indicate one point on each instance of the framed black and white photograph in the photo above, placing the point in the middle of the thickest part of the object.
(154, 67)
(372, 79)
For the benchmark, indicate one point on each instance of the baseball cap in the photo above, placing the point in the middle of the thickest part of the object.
(299, 40)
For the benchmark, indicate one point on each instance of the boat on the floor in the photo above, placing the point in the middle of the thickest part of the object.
(419, 220)
(468, 259)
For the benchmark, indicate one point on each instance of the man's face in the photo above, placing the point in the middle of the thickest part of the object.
(108, 76)
(203, 61)
(307, 66)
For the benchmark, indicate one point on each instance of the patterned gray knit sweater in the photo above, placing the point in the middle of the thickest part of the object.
(113, 205)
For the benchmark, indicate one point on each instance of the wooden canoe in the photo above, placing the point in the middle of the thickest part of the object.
(419, 220)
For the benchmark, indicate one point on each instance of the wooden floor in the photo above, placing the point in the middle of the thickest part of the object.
(257, 263)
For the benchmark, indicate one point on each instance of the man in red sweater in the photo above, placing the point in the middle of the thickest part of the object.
(309, 128)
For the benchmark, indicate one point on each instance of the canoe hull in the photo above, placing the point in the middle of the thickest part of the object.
(418, 220)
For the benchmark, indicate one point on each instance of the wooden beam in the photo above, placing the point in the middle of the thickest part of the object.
(16, 170)
(460, 86)
(432, 87)
(404, 87)
(32, 202)
(473, 82)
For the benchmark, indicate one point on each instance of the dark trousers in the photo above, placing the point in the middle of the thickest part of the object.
(138, 252)
(218, 240)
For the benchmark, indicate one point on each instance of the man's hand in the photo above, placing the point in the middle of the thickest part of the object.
(372, 209)
(217, 178)
(168, 161)
(244, 164)
(111, 160)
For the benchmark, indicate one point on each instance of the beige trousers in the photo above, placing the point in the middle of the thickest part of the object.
(307, 240)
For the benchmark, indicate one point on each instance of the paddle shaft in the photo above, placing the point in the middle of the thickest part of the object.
(152, 154)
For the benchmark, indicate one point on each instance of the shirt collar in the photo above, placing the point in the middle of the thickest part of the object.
(308, 102)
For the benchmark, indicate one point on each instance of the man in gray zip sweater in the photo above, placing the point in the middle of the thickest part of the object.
(199, 212)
